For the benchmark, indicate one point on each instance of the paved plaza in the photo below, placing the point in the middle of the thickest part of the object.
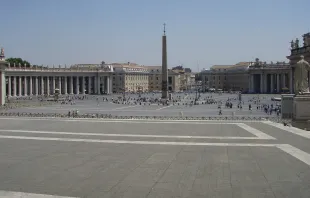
(91, 106)
(127, 158)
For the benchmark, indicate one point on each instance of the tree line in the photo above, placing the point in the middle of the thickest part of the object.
(19, 61)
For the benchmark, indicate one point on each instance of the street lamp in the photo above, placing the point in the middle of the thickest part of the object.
(124, 93)
(139, 90)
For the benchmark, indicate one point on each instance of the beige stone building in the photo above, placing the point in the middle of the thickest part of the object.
(249, 77)
(226, 77)
(155, 80)
(129, 77)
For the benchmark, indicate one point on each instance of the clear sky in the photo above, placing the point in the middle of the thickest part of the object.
(199, 32)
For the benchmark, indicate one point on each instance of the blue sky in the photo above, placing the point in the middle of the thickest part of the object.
(200, 33)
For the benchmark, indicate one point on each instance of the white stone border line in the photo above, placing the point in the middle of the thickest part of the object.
(257, 133)
(291, 150)
(296, 131)
(12, 194)
(137, 135)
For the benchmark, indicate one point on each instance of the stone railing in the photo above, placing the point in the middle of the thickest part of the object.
(270, 67)
(48, 69)
(300, 50)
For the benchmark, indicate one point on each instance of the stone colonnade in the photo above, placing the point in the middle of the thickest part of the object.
(17, 85)
(271, 82)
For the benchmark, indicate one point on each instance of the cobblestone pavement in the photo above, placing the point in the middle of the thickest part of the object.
(90, 105)
(126, 158)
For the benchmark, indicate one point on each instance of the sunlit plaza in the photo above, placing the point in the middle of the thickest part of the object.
(219, 113)
(149, 104)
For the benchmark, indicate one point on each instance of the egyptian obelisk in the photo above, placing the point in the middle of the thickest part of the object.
(164, 89)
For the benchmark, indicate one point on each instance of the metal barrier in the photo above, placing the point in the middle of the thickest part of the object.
(109, 116)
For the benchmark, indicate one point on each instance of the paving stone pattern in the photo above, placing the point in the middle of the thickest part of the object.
(89, 169)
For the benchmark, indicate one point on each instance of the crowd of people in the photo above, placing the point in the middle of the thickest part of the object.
(261, 103)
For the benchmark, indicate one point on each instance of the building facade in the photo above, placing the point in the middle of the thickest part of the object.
(28, 81)
(25, 80)
(226, 77)
(249, 77)
(270, 77)
(130, 77)
(296, 51)
(155, 79)
(258, 76)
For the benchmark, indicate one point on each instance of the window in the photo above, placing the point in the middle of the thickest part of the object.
(169, 80)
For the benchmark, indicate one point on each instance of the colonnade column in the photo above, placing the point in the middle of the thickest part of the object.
(9, 86)
(110, 84)
(261, 83)
(77, 88)
(66, 85)
(59, 84)
(42, 85)
(71, 85)
(83, 85)
(309, 79)
(250, 84)
(278, 83)
(48, 85)
(271, 83)
(95, 85)
(284, 80)
(30, 86)
(19, 86)
(37, 86)
(98, 84)
(251, 87)
(25, 86)
(53, 85)
(107, 84)
(89, 84)
(265, 82)
(14, 86)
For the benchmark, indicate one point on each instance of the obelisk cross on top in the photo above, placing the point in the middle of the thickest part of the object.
(164, 29)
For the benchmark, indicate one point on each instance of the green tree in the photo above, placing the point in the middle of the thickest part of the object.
(17, 61)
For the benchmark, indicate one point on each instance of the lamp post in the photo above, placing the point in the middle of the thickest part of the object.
(124, 93)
